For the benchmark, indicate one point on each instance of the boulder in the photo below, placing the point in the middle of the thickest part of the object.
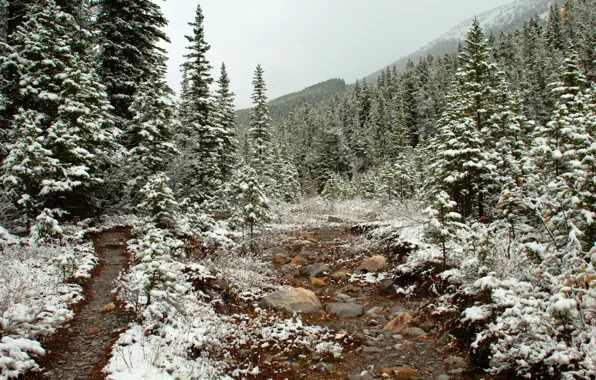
(334, 219)
(294, 300)
(345, 310)
(399, 323)
(299, 260)
(316, 269)
(413, 332)
(374, 264)
(341, 274)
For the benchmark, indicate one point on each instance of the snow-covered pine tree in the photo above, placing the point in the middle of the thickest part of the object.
(59, 92)
(157, 203)
(151, 131)
(201, 173)
(441, 224)
(250, 205)
(129, 34)
(227, 121)
(260, 127)
(28, 164)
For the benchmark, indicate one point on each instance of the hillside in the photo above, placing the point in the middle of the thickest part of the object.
(281, 106)
(504, 18)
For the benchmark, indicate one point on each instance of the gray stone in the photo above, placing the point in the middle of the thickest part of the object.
(333, 219)
(316, 269)
(326, 231)
(345, 310)
(413, 332)
(444, 339)
(371, 350)
(386, 286)
(295, 300)
(276, 251)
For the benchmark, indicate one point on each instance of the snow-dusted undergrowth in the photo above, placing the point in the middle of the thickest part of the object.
(185, 328)
(37, 287)
(315, 211)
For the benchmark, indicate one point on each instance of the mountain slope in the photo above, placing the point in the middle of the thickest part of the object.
(280, 107)
(504, 18)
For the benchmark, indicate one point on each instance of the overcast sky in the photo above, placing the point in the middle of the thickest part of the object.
(304, 42)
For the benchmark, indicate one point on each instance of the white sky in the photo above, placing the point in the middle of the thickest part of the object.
(304, 42)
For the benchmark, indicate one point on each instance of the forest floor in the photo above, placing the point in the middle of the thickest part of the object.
(382, 334)
(420, 351)
(79, 350)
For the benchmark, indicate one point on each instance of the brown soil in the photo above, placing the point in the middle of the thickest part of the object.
(81, 349)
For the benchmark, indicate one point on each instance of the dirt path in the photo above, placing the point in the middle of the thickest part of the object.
(79, 351)
(413, 355)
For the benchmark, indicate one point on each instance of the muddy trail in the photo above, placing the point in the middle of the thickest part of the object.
(394, 337)
(80, 350)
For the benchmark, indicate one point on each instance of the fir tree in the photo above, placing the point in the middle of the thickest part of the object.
(227, 122)
(129, 35)
(60, 93)
(250, 205)
(442, 223)
(157, 201)
(202, 175)
(151, 131)
(260, 128)
(28, 164)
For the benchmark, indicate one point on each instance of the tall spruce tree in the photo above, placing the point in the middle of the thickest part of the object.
(63, 105)
(151, 131)
(202, 176)
(260, 126)
(227, 123)
(129, 35)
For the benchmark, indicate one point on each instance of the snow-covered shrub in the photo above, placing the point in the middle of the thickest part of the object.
(37, 288)
(250, 205)
(46, 229)
(337, 187)
(157, 202)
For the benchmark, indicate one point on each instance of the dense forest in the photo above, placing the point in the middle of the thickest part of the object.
(494, 143)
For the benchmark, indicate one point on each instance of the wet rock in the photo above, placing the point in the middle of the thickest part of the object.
(374, 264)
(429, 324)
(444, 339)
(326, 231)
(345, 310)
(314, 270)
(413, 332)
(371, 350)
(340, 275)
(399, 323)
(295, 300)
(318, 283)
(387, 286)
(333, 219)
(455, 362)
(374, 312)
(299, 260)
(276, 251)
(401, 373)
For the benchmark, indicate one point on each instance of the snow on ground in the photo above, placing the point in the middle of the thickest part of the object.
(315, 212)
(190, 328)
(37, 287)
